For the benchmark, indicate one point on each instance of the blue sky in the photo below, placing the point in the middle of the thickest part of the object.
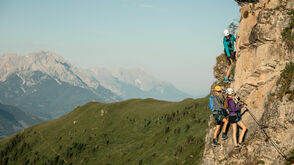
(175, 41)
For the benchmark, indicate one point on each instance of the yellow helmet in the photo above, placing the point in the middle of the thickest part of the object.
(218, 88)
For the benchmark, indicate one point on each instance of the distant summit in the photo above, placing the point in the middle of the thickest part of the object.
(46, 62)
(135, 83)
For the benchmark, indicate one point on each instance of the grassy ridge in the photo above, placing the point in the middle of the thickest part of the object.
(130, 132)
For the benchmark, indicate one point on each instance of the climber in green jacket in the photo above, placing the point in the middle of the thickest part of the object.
(229, 48)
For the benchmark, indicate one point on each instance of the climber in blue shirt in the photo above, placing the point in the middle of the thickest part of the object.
(229, 48)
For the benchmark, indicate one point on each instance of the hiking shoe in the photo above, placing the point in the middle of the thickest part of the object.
(225, 136)
(226, 80)
(236, 147)
(215, 144)
(242, 144)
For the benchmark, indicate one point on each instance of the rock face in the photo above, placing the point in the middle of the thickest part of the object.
(261, 56)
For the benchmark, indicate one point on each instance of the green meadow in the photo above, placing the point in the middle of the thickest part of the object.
(136, 131)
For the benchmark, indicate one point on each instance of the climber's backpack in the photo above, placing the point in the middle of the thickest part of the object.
(211, 106)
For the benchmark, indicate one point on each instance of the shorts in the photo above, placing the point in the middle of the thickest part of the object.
(234, 119)
(225, 113)
(218, 118)
(232, 56)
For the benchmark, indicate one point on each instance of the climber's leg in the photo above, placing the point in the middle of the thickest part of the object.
(217, 128)
(225, 121)
(242, 125)
(234, 125)
(229, 69)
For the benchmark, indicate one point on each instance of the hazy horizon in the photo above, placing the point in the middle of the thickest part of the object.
(173, 41)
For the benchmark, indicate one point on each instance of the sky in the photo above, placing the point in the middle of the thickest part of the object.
(174, 41)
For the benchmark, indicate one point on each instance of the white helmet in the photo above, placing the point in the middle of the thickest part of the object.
(229, 91)
(226, 32)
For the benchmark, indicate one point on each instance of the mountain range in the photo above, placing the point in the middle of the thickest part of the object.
(46, 85)
(135, 83)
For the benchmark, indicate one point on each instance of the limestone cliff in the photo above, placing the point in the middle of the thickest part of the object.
(262, 53)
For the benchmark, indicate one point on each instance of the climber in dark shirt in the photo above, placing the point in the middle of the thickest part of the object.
(235, 118)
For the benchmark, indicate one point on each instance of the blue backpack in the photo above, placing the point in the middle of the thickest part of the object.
(211, 106)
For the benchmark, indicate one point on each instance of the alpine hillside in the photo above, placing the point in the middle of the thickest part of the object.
(135, 131)
(12, 120)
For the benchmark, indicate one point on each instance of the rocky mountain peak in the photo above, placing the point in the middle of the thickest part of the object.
(137, 77)
(134, 82)
(46, 62)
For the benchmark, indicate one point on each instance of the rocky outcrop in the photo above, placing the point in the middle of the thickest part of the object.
(221, 66)
(262, 54)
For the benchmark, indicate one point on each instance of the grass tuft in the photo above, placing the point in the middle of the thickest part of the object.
(287, 35)
(284, 82)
